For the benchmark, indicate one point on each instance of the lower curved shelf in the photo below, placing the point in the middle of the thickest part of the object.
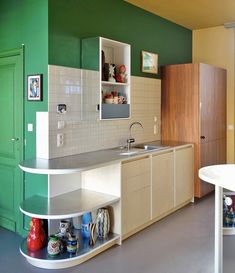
(41, 258)
(228, 230)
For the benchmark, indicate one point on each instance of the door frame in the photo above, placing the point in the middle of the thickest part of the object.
(9, 53)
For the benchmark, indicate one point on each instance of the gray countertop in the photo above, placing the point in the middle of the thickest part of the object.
(86, 161)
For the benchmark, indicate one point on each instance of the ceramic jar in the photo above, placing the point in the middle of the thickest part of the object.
(54, 245)
(65, 227)
(102, 222)
(64, 234)
(36, 238)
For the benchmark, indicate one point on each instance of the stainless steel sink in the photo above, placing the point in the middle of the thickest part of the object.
(147, 147)
(140, 149)
(132, 151)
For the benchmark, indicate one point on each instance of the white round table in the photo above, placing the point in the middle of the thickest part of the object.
(222, 176)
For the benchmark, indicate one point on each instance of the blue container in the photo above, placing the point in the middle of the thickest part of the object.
(72, 244)
(86, 219)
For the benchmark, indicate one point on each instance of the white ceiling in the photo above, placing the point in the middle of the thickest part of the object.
(192, 14)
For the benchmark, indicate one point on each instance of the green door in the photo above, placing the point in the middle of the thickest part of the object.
(11, 139)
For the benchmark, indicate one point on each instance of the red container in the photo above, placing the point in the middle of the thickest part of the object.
(36, 237)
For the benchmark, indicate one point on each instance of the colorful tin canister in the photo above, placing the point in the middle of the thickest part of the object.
(72, 244)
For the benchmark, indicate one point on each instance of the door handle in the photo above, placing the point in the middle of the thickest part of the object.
(203, 137)
(15, 139)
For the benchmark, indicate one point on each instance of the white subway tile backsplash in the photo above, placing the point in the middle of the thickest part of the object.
(84, 132)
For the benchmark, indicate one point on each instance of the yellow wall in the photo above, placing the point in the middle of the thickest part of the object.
(216, 46)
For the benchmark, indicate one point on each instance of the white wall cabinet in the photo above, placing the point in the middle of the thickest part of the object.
(99, 53)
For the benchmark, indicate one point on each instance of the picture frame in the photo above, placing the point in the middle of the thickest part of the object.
(149, 62)
(34, 88)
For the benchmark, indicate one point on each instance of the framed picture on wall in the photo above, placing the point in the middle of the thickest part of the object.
(149, 62)
(34, 90)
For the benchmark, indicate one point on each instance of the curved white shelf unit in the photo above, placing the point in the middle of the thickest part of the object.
(41, 258)
(66, 205)
(69, 164)
(228, 230)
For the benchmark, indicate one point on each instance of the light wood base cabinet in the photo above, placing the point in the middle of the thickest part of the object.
(136, 194)
(184, 166)
(155, 186)
(162, 183)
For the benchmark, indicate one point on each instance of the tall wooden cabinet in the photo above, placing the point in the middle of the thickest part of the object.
(194, 110)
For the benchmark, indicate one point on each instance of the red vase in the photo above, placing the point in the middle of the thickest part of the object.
(36, 237)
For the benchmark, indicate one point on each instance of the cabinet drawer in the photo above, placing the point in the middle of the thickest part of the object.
(136, 182)
(135, 168)
(136, 209)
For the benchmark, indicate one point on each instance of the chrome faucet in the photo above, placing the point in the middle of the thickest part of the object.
(131, 139)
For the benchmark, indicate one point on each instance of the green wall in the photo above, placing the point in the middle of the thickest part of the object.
(72, 20)
(26, 22)
(55, 28)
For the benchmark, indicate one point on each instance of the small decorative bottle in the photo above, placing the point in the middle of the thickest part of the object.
(86, 219)
(102, 222)
(36, 238)
(231, 218)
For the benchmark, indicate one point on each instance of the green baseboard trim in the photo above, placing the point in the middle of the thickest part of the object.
(8, 224)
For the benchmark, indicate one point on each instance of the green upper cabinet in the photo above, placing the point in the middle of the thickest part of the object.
(90, 54)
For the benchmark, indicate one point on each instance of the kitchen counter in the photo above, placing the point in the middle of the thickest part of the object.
(90, 160)
(124, 183)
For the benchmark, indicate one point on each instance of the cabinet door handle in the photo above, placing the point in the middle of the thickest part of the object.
(15, 139)
(203, 137)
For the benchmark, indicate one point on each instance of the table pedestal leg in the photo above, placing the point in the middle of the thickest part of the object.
(218, 229)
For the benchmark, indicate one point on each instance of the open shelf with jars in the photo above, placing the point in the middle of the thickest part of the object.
(229, 213)
(42, 259)
(84, 192)
(112, 60)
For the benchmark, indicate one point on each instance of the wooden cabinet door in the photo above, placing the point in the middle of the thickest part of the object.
(136, 195)
(162, 183)
(184, 175)
(212, 147)
(212, 103)
(180, 103)
(194, 110)
(207, 103)
(211, 153)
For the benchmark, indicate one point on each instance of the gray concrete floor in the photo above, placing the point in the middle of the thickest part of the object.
(180, 243)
